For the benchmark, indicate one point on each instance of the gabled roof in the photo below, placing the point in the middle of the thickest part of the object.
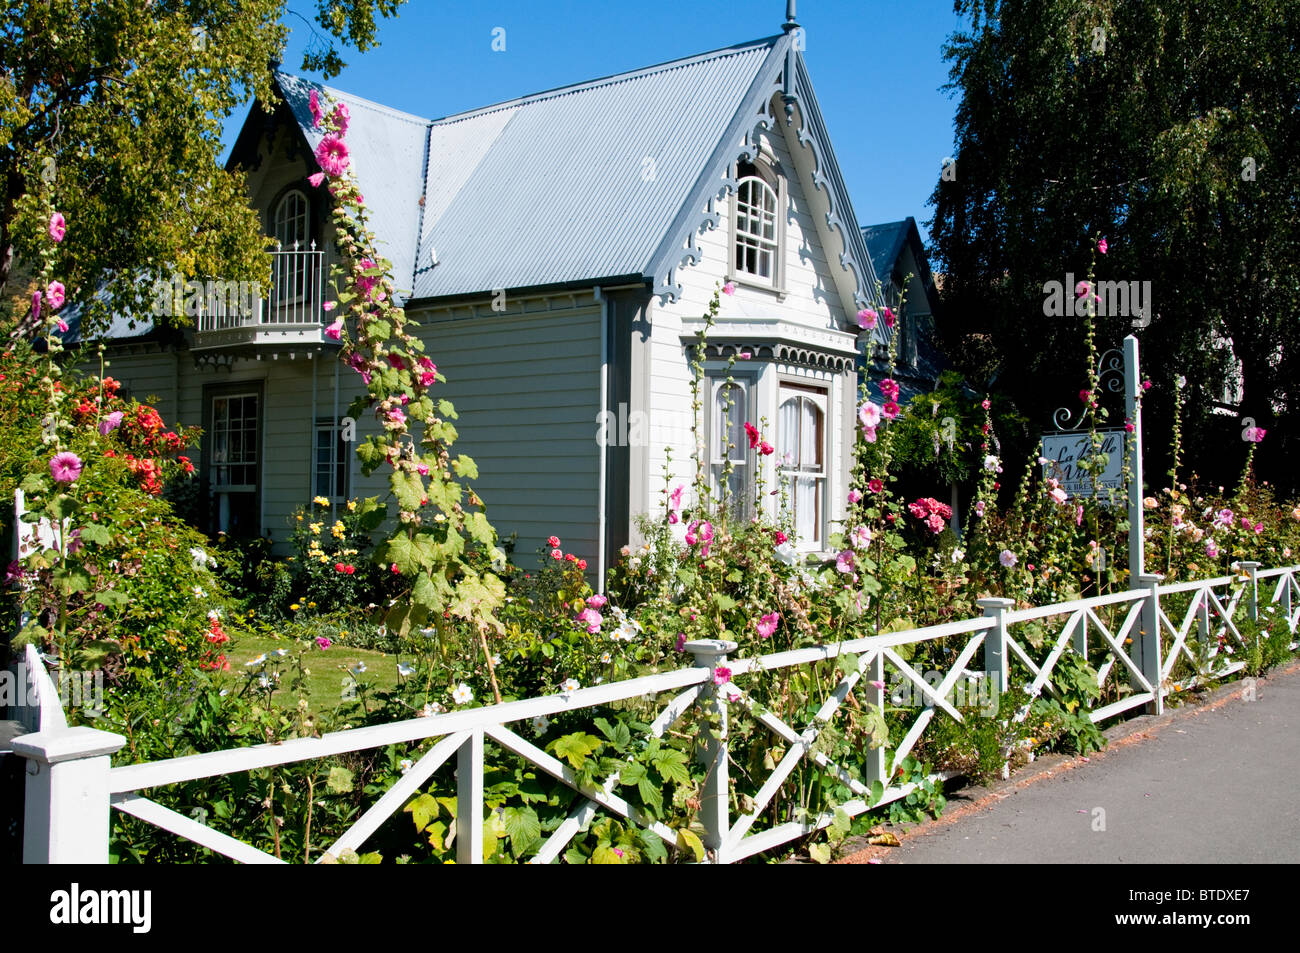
(606, 179)
(885, 244)
(387, 150)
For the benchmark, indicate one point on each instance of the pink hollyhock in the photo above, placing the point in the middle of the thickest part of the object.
(875, 486)
(1085, 396)
(36, 304)
(335, 330)
(889, 317)
(1081, 289)
(986, 403)
(316, 178)
(675, 497)
(673, 518)
(766, 625)
(680, 644)
(781, 538)
(752, 433)
(1007, 558)
(422, 469)
(721, 675)
(323, 642)
(395, 571)
(889, 387)
(867, 318)
(706, 537)
(844, 562)
(766, 449)
(1146, 385)
(869, 434)
(342, 116)
(1058, 495)
(58, 227)
(313, 103)
(396, 416)
(332, 154)
(1129, 426)
(111, 422)
(729, 288)
(869, 415)
(891, 410)
(65, 467)
(1102, 246)
(62, 326)
(979, 508)
(860, 538)
(854, 496)
(428, 378)
(396, 361)
(54, 295)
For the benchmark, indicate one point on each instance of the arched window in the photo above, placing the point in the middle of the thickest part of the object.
(802, 459)
(290, 269)
(758, 227)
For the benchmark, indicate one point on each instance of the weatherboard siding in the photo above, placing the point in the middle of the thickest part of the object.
(526, 389)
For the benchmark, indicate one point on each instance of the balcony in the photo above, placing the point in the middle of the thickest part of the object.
(238, 315)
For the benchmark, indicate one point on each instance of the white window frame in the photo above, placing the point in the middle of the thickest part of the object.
(290, 278)
(771, 184)
(819, 394)
(743, 459)
(338, 460)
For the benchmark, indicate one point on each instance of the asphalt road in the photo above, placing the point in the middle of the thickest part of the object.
(1206, 785)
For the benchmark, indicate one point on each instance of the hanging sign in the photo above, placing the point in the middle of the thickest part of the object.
(1063, 451)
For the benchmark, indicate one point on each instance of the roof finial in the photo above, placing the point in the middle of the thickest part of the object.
(791, 23)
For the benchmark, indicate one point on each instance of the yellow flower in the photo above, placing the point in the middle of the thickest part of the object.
(295, 607)
(338, 529)
(299, 517)
(352, 505)
(321, 500)
(315, 527)
(311, 605)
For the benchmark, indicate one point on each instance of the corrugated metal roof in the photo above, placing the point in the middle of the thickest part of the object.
(575, 183)
(884, 244)
(387, 151)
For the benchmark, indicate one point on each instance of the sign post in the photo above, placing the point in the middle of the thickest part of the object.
(1133, 408)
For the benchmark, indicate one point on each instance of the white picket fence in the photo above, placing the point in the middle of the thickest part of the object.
(71, 785)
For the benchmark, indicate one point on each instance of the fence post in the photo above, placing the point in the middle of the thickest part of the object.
(995, 643)
(1145, 652)
(65, 818)
(875, 768)
(1252, 570)
(469, 800)
(715, 799)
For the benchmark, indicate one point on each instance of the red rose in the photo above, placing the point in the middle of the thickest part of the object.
(553, 542)
(338, 567)
(349, 569)
(581, 564)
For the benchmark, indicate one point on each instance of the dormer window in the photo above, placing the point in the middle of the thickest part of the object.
(759, 226)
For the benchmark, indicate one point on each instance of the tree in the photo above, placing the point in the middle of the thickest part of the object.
(1166, 128)
(116, 107)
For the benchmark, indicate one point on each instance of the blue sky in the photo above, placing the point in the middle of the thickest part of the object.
(877, 68)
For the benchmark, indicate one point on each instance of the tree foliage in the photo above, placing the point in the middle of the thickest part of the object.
(1168, 129)
(117, 105)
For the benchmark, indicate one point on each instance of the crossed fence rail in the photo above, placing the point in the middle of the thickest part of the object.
(1145, 642)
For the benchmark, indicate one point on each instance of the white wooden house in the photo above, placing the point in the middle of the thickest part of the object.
(559, 251)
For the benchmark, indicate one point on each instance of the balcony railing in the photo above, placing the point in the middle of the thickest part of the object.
(289, 312)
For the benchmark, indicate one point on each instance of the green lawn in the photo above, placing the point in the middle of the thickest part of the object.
(327, 668)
